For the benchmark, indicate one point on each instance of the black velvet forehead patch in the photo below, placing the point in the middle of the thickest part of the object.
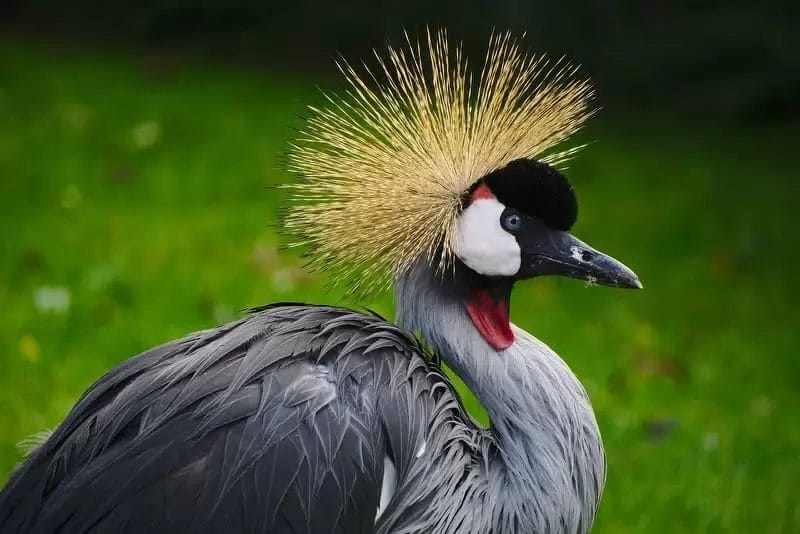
(537, 189)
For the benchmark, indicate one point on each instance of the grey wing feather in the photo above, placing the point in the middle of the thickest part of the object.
(275, 423)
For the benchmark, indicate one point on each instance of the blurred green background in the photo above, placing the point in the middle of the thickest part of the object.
(136, 144)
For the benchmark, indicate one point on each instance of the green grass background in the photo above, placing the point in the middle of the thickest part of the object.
(135, 186)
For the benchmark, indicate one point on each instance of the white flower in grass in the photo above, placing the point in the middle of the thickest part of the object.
(52, 299)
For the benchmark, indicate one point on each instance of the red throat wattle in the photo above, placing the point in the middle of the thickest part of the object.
(490, 317)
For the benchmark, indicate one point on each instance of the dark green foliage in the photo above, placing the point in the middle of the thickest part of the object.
(732, 59)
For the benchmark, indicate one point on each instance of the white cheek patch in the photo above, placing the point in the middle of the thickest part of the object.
(482, 244)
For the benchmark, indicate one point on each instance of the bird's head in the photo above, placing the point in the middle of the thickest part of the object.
(422, 161)
(516, 223)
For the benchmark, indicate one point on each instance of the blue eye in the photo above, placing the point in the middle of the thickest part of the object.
(511, 221)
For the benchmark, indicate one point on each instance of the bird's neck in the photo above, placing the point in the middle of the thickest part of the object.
(547, 450)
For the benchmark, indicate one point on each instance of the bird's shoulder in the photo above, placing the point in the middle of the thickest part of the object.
(284, 342)
(293, 406)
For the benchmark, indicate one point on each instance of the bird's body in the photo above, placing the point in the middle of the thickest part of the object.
(314, 419)
(289, 415)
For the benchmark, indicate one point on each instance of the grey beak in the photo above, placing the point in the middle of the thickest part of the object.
(560, 253)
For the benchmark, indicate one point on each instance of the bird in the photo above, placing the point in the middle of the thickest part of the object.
(446, 185)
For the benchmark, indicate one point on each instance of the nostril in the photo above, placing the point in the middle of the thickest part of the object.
(581, 254)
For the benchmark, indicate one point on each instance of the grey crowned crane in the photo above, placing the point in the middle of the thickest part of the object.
(316, 419)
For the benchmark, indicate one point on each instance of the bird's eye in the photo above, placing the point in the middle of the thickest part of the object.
(511, 221)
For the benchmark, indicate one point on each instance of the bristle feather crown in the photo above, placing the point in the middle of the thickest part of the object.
(384, 170)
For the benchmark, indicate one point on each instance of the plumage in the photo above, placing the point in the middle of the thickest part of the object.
(535, 188)
(254, 416)
(385, 167)
(314, 419)
(284, 417)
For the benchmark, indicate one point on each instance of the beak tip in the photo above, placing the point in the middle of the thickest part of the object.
(637, 284)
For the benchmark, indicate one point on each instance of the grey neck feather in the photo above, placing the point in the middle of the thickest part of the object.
(549, 467)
